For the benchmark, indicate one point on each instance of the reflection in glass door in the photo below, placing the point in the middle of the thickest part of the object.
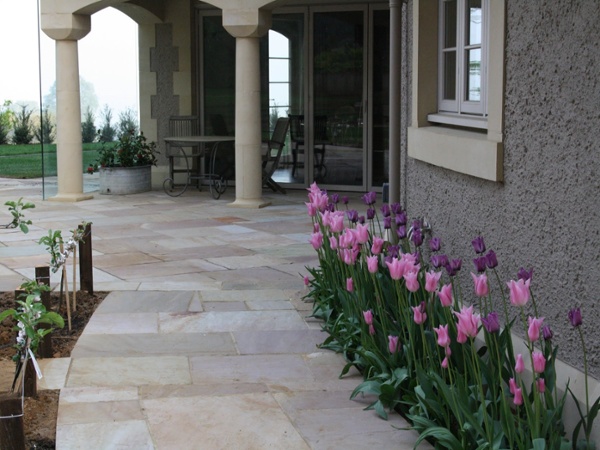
(338, 84)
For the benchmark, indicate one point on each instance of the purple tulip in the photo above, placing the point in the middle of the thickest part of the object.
(439, 261)
(547, 332)
(335, 198)
(575, 317)
(491, 259)
(416, 224)
(393, 251)
(480, 264)
(396, 208)
(345, 200)
(387, 223)
(491, 323)
(385, 210)
(401, 218)
(478, 245)
(361, 220)
(453, 267)
(352, 215)
(370, 214)
(401, 232)
(525, 275)
(435, 244)
(417, 237)
(369, 198)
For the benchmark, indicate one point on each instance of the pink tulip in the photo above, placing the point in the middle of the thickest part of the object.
(362, 233)
(445, 295)
(448, 351)
(541, 385)
(368, 316)
(539, 362)
(306, 281)
(316, 227)
(519, 366)
(518, 400)
(348, 239)
(317, 197)
(512, 386)
(443, 339)
(419, 314)
(397, 268)
(333, 242)
(373, 264)
(316, 239)
(349, 255)
(535, 325)
(371, 330)
(445, 363)
(350, 284)
(393, 344)
(377, 245)
(337, 222)
(519, 292)
(312, 209)
(412, 282)
(481, 284)
(467, 324)
(431, 281)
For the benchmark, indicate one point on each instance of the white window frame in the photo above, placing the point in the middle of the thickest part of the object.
(460, 111)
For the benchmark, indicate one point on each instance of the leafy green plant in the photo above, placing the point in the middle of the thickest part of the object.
(44, 132)
(28, 316)
(130, 150)
(16, 209)
(5, 121)
(88, 128)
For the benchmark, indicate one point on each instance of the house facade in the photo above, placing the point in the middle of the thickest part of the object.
(482, 115)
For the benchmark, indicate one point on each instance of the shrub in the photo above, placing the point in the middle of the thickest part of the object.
(22, 133)
(5, 122)
(88, 128)
(44, 132)
(129, 151)
(127, 123)
(107, 131)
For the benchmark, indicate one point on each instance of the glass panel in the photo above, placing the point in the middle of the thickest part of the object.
(380, 98)
(219, 89)
(473, 91)
(279, 70)
(338, 91)
(450, 24)
(282, 87)
(449, 71)
(474, 22)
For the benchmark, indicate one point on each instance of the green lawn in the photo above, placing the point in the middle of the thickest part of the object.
(25, 161)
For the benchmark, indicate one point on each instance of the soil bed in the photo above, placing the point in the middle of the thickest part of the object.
(40, 413)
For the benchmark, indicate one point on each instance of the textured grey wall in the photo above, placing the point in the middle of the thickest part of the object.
(546, 214)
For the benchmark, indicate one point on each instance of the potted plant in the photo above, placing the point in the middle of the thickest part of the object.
(125, 166)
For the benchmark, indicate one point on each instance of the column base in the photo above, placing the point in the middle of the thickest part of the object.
(70, 198)
(255, 203)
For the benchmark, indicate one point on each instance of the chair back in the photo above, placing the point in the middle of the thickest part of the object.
(184, 126)
(320, 129)
(281, 129)
(218, 125)
(277, 142)
(296, 127)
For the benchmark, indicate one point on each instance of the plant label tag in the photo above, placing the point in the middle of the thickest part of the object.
(35, 365)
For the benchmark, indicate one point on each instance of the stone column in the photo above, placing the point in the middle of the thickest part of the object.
(66, 30)
(247, 27)
(395, 98)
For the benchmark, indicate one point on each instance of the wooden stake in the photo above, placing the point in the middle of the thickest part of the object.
(74, 280)
(66, 286)
(86, 275)
(12, 433)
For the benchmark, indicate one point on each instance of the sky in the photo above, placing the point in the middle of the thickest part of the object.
(108, 57)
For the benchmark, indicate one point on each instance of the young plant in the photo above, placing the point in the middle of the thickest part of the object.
(16, 209)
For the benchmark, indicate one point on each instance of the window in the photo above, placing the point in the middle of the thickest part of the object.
(462, 67)
(458, 86)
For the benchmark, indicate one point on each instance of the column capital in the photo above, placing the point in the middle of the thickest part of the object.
(241, 23)
(66, 26)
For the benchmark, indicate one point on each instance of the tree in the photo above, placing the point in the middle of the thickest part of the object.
(89, 99)
(44, 132)
(22, 127)
(107, 132)
(88, 127)
(5, 121)
(127, 123)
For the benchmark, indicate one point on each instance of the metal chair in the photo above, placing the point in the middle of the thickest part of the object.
(297, 138)
(321, 139)
(271, 159)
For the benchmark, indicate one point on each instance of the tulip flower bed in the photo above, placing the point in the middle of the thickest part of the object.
(448, 366)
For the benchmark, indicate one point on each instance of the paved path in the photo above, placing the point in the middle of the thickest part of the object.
(204, 341)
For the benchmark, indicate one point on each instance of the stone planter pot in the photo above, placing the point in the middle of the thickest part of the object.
(125, 180)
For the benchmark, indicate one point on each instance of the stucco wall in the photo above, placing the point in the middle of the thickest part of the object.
(546, 213)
